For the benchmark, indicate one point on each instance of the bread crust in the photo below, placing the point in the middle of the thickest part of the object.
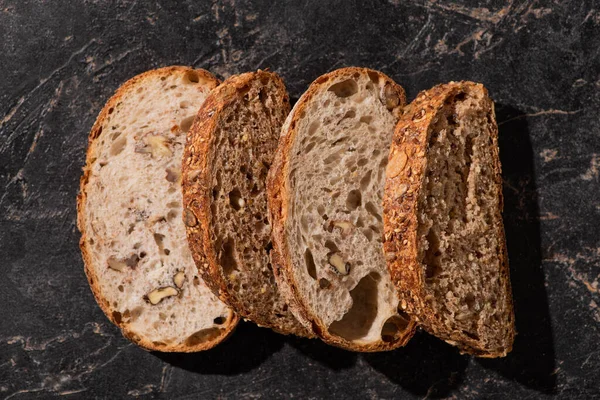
(136, 337)
(404, 179)
(278, 191)
(198, 155)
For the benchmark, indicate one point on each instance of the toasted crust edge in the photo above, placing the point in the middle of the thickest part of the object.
(196, 195)
(278, 194)
(135, 337)
(409, 146)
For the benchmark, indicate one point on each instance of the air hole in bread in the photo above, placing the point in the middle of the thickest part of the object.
(202, 336)
(185, 104)
(260, 226)
(371, 209)
(357, 322)
(366, 179)
(339, 141)
(471, 301)
(172, 175)
(432, 258)
(121, 288)
(331, 246)
(373, 76)
(227, 257)
(312, 129)
(353, 200)
(158, 239)
(368, 234)
(115, 135)
(321, 209)
(117, 317)
(349, 115)
(304, 224)
(235, 199)
(393, 328)
(366, 119)
(220, 320)
(333, 157)
(359, 222)
(344, 88)
(324, 283)
(171, 215)
(132, 261)
(472, 335)
(186, 123)
(191, 77)
(310, 264)
(309, 147)
(117, 147)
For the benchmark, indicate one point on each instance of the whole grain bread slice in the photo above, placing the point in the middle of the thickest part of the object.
(137, 260)
(229, 150)
(325, 203)
(444, 236)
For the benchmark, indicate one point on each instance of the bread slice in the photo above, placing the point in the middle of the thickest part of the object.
(325, 201)
(229, 150)
(444, 236)
(133, 242)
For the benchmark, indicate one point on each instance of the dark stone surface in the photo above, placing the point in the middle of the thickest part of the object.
(61, 60)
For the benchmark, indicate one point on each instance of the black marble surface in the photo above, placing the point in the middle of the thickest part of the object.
(60, 61)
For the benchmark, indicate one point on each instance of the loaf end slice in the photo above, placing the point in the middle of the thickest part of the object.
(444, 236)
(325, 202)
(229, 151)
(133, 242)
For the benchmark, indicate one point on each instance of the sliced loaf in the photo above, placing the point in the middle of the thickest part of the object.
(229, 151)
(444, 236)
(137, 260)
(325, 202)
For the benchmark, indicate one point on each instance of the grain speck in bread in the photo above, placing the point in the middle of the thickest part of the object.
(133, 242)
(228, 153)
(325, 202)
(444, 236)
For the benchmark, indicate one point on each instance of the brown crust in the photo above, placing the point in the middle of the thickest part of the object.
(198, 155)
(406, 169)
(137, 338)
(278, 194)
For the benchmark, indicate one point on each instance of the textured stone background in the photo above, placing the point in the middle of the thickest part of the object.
(61, 60)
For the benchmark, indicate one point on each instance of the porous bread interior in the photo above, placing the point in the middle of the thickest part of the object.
(246, 139)
(336, 179)
(133, 213)
(459, 247)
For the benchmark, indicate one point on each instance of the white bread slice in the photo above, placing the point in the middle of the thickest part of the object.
(229, 150)
(444, 236)
(325, 203)
(137, 260)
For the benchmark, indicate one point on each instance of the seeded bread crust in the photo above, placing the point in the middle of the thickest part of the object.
(404, 181)
(90, 270)
(198, 174)
(278, 194)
